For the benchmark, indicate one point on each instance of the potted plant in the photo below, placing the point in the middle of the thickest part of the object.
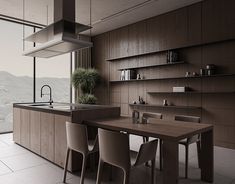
(86, 80)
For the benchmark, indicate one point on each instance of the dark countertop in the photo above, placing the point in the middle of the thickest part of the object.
(60, 108)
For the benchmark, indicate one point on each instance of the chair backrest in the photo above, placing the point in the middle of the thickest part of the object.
(147, 116)
(147, 152)
(77, 137)
(114, 148)
(193, 119)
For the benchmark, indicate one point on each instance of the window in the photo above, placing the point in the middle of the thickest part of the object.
(54, 72)
(16, 71)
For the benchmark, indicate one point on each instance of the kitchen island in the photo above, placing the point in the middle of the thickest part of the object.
(40, 127)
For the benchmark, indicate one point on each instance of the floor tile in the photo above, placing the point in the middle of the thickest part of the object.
(4, 169)
(12, 150)
(43, 174)
(23, 161)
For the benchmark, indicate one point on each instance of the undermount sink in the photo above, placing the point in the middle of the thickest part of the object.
(38, 105)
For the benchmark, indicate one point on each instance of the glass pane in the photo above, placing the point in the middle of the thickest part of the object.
(16, 71)
(54, 72)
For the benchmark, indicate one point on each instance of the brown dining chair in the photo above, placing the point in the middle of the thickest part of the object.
(191, 140)
(115, 150)
(145, 119)
(77, 140)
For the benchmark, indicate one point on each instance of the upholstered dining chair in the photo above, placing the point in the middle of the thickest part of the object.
(77, 140)
(146, 117)
(115, 150)
(191, 140)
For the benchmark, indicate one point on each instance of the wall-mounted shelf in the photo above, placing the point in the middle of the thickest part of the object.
(164, 50)
(192, 92)
(168, 106)
(170, 78)
(151, 66)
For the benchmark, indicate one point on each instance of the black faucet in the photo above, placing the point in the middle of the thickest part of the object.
(42, 94)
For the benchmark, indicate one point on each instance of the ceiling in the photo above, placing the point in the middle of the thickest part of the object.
(106, 15)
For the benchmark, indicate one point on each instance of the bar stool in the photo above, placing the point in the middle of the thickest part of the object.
(191, 140)
(115, 150)
(77, 140)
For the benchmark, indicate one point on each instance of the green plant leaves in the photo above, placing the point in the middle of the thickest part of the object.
(86, 79)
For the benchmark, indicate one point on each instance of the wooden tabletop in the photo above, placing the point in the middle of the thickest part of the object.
(166, 130)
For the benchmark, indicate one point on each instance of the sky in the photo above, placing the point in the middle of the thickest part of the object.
(12, 61)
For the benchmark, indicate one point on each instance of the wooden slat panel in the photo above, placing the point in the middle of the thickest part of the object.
(16, 124)
(47, 135)
(25, 128)
(35, 131)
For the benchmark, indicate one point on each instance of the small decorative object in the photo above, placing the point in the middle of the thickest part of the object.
(138, 77)
(195, 74)
(180, 89)
(141, 101)
(202, 71)
(134, 102)
(122, 75)
(187, 74)
(144, 120)
(135, 116)
(172, 56)
(210, 69)
(165, 102)
(130, 74)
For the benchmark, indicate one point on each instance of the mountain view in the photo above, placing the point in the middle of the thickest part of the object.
(15, 89)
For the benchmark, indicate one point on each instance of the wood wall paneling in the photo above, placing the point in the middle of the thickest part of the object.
(186, 29)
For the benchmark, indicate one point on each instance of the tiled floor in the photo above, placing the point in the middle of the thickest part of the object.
(20, 166)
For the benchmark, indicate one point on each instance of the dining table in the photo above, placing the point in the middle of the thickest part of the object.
(170, 132)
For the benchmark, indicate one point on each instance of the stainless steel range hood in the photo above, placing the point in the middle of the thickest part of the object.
(60, 37)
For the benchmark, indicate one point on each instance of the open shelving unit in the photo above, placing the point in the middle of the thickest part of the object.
(172, 78)
(191, 92)
(151, 66)
(168, 106)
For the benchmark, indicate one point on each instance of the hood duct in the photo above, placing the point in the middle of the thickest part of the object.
(62, 36)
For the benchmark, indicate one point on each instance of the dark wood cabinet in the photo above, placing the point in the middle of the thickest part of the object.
(194, 24)
(218, 20)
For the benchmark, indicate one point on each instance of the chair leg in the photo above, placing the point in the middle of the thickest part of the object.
(153, 171)
(198, 153)
(83, 169)
(186, 161)
(146, 139)
(66, 165)
(100, 171)
(160, 154)
(126, 178)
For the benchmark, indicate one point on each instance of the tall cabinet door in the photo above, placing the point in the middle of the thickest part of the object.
(16, 125)
(60, 137)
(25, 127)
(47, 128)
(218, 20)
(35, 131)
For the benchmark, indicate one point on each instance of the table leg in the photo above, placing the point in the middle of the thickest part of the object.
(170, 162)
(207, 156)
